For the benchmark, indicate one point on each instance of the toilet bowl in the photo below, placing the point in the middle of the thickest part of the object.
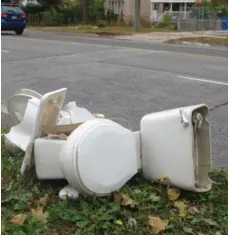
(98, 157)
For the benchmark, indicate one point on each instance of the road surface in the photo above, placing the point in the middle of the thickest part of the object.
(124, 80)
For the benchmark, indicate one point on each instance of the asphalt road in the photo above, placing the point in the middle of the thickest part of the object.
(122, 81)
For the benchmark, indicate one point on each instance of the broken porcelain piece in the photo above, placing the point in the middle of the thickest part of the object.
(98, 156)
(17, 103)
(77, 114)
(20, 134)
(68, 192)
(48, 113)
(176, 143)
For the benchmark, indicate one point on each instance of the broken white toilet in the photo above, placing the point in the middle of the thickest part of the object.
(99, 156)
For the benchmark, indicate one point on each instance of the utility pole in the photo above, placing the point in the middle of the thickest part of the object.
(137, 15)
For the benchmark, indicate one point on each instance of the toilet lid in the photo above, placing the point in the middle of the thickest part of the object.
(100, 157)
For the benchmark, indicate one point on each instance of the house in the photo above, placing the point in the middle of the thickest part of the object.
(151, 10)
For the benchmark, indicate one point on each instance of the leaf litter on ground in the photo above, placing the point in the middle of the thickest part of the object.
(33, 207)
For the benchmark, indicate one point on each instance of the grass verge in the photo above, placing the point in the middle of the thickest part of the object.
(204, 40)
(104, 31)
(32, 207)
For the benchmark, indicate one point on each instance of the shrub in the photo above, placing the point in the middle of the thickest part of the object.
(165, 23)
(101, 23)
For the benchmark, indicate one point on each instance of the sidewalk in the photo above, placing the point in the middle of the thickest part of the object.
(166, 36)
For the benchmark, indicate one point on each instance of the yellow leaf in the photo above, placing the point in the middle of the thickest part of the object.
(156, 224)
(39, 214)
(162, 177)
(124, 200)
(119, 222)
(182, 208)
(173, 194)
(127, 201)
(19, 219)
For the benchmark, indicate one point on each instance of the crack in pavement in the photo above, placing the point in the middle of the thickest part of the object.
(218, 106)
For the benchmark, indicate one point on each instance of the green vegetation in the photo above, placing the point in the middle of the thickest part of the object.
(101, 31)
(32, 207)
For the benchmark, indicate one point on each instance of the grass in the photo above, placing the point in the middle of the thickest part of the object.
(206, 40)
(32, 207)
(104, 31)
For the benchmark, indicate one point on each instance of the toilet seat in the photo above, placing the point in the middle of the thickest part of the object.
(99, 157)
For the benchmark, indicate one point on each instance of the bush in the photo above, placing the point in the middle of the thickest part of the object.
(101, 23)
(165, 23)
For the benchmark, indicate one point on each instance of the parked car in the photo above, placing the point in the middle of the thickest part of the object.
(13, 18)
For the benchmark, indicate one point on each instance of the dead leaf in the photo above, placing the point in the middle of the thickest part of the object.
(43, 200)
(39, 214)
(124, 200)
(156, 224)
(182, 208)
(193, 210)
(173, 194)
(19, 219)
(164, 179)
(127, 201)
(217, 233)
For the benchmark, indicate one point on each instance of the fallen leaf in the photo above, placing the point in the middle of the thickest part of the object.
(119, 222)
(193, 210)
(173, 194)
(43, 200)
(154, 197)
(127, 201)
(124, 200)
(217, 233)
(182, 208)
(19, 219)
(39, 214)
(156, 224)
(162, 177)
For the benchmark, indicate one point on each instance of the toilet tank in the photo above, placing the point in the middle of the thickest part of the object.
(176, 143)
(46, 156)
